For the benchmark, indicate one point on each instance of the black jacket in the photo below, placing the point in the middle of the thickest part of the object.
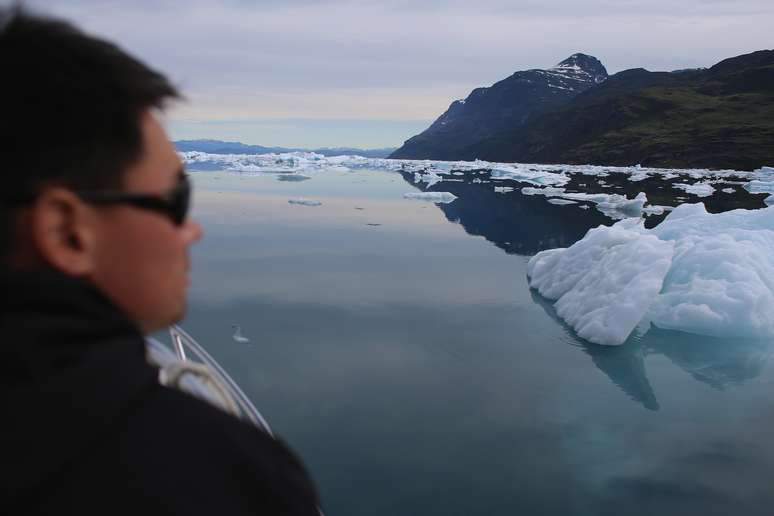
(87, 429)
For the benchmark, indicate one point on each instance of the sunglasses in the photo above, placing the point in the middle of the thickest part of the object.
(174, 203)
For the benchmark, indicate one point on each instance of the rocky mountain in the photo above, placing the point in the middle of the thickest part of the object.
(719, 117)
(488, 112)
(221, 147)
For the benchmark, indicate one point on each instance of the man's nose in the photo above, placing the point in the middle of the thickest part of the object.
(193, 231)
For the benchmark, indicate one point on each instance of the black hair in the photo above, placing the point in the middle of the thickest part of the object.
(71, 109)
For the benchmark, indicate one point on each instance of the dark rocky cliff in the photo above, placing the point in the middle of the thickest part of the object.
(507, 104)
(721, 117)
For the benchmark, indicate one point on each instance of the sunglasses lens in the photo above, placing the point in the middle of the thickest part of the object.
(181, 201)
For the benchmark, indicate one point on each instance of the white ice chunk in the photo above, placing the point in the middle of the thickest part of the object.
(701, 189)
(304, 202)
(656, 209)
(238, 337)
(710, 274)
(758, 186)
(549, 192)
(437, 197)
(639, 174)
(529, 174)
(428, 177)
(503, 189)
(614, 206)
(561, 202)
(765, 172)
(537, 174)
(728, 190)
(722, 278)
(763, 183)
(605, 283)
(618, 205)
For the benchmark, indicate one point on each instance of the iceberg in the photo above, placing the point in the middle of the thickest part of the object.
(615, 206)
(304, 202)
(437, 197)
(702, 273)
(700, 189)
(429, 177)
(604, 283)
(759, 186)
(763, 182)
(527, 174)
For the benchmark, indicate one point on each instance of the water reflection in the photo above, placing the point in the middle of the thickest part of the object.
(516, 223)
(719, 363)
(411, 356)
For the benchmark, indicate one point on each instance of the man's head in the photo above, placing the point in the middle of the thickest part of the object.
(77, 120)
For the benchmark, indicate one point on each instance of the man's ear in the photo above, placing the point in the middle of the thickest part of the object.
(63, 231)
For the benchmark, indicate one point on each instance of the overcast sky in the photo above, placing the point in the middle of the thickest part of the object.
(372, 74)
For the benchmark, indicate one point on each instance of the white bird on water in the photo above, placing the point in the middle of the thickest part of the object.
(238, 337)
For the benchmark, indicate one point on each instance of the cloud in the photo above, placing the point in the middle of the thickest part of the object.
(401, 59)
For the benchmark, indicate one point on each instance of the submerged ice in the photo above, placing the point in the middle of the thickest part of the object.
(709, 274)
(436, 197)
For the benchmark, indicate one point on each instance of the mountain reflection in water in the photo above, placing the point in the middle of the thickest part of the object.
(525, 225)
(516, 223)
(409, 359)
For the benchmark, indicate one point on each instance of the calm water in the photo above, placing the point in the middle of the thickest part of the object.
(396, 346)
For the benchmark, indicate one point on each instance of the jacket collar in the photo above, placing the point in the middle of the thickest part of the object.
(71, 367)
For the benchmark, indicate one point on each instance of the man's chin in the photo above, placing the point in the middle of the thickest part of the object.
(157, 324)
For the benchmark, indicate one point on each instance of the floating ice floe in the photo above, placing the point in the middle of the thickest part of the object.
(614, 206)
(728, 190)
(238, 337)
(304, 202)
(528, 174)
(655, 209)
(503, 189)
(433, 172)
(700, 189)
(436, 197)
(292, 177)
(764, 183)
(537, 174)
(758, 186)
(430, 178)
(562, 202)
(709, 274)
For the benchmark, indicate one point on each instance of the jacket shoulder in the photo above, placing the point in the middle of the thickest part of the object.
(174, 454)
(189, 446)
